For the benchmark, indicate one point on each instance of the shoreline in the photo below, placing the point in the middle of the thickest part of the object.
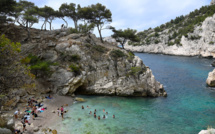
(48, 119)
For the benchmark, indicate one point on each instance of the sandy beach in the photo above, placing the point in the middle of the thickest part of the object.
(47, 119)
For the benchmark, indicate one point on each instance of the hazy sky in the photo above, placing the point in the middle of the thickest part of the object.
(135, 14)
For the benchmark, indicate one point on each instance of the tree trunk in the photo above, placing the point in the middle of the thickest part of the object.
(76, 24)
(43, 25)
(100, 34)
(65, 22)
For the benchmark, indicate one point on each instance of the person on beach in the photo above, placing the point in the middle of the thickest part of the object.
(98, 117)
(23, 125)
(58, 111)
(33, 114)
(82, 107)
(94, 115)
(16, 113)
(104, 117)
(113, 116)
(62, 111)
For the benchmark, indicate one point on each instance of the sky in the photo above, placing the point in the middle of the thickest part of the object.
(135, 14)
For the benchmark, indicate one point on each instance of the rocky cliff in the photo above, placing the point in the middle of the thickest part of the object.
(81, 64)
(189, 35)
(204, 46)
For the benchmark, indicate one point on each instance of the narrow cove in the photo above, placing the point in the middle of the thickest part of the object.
(189, 107)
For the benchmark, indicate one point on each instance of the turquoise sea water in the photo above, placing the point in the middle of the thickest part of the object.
(189, 107)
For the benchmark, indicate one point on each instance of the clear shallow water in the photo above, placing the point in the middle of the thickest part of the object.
(189, 107)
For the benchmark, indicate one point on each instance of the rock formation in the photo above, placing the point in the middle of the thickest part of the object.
(209, 131)
(204, 46)
(211, 79)
(99, 69)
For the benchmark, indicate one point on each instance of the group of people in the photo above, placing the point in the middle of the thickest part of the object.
(61, 111)
(31, 110)
(104, 117)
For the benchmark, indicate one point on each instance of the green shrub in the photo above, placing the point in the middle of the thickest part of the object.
(75, 69)
(157, 41)
(135, 70)
(171, 43)
(75, 58)
(211, 42)
(117, 53)
(36, 64)
(195, 37)
(99, 48)
(73, 30)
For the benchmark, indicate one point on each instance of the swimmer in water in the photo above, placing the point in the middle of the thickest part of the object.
(106, 113)
(94, 115)
(82, 107)
(95, 111)
(90, 112)
(104, 117)
(103, 110)
(98, 117)
(113, 116)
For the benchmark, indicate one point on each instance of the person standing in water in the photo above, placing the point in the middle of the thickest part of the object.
(94, 115)
(113, 116)
(104, 117)
(82, 107)
(98, 117)
(62, 111)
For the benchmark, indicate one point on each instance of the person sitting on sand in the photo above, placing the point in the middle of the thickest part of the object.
(94, 115)
(113, 116)
(16, 113)
(48, 97)
(17, 131)
(98, 117)
(82, 107)
(104, 117)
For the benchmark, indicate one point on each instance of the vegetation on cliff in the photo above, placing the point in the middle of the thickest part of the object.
(14, 74)
(176, 28)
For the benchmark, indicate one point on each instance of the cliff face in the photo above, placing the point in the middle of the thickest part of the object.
(84, 65)
(203, 46)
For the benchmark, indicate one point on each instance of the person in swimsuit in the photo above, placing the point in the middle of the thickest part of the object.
(62, 111)
(98, 117)
(104, 117)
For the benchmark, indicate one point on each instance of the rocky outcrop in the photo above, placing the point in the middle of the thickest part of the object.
(99, 71)
(211, 79)
(81, 64)
(5, 131)
(209, 131)
(204, 46)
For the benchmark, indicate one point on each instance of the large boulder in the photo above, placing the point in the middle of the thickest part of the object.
(211, 79)
(5, 131)
(209, 131)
